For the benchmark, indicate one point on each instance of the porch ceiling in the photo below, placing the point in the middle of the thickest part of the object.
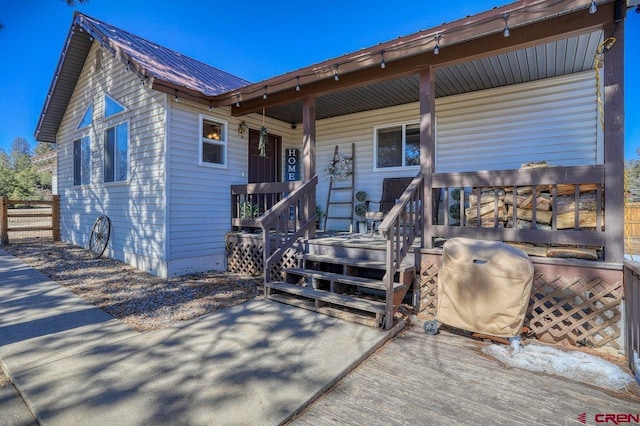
(561, 57)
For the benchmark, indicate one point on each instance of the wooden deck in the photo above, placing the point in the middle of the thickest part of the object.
(445, 379)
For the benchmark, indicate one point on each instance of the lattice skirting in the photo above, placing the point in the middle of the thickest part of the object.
(576, 311)
(570, 310)
(244, 256)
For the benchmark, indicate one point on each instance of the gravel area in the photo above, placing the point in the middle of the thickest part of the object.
(142, 301)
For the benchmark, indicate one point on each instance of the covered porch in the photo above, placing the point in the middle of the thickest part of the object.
(558, 210)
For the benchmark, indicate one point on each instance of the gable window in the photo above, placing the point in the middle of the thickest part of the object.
(87, 118)
(82, 161)
(112, 107)
(116, 153)
(213, 141)
(397, 145)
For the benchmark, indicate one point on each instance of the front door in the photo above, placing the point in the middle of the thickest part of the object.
(267, 168)
(264, 168)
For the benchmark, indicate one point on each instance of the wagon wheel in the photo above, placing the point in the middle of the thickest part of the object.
(99, 236)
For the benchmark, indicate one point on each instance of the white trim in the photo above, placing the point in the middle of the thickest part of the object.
(84, 134)
(224, 141)
(83, 115)
(105, 95)
(166, 191)
(126, 121)
(403, 125)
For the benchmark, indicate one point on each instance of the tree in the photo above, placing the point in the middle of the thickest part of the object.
(6, 174)
(632, 178)
(19, 178)
(44, 147)
(20, 154)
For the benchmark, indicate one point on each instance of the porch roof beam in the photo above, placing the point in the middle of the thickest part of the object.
(460, 47)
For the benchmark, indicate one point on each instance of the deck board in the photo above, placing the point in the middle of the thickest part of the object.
(337, 299)
(445, 379)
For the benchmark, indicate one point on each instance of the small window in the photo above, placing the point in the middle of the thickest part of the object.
(397, 146)
(116, 153)
(213, 141)
(87, 118)
(112, 107)
(82, 161)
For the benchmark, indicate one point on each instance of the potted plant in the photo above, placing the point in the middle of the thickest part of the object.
(454, 209)
(248, 210)
(319, 214)
(361, 211)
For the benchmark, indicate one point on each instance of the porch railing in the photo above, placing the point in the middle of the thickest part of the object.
(401, 226)
(487, 187)
(632, 312)
(249, 202)
(287, 221)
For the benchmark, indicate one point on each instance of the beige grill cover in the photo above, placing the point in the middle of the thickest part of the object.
(484, 286)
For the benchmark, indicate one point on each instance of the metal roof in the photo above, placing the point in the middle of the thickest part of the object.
(162, 66)
(544, 55)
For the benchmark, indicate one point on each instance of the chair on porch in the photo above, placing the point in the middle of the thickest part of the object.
(392, 189)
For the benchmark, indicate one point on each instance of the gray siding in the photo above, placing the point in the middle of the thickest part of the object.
(553, 120)
(200, 196)
(135, 207)
(499, 129)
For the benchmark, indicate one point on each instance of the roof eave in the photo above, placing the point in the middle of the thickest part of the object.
(521, 13)
(45, 128)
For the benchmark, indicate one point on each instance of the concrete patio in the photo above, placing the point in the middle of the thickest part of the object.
(256, 363)
(259, 363)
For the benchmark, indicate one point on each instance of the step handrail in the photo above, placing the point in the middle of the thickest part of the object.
(287, 221)
(400, 228)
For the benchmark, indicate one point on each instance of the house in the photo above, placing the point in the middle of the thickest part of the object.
(170, 149)
(47, 164)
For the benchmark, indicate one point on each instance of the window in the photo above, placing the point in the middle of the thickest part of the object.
(82, 161)
(116, 153)
(112, 107)
(87, 118)
(213, 141)
(397, 145)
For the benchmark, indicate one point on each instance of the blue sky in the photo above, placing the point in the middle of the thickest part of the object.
(253, 40)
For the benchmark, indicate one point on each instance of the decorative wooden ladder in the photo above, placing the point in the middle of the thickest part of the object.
(347, 186)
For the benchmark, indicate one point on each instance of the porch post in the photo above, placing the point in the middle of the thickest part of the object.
(427, 149)
(614, 144)
(309, 154)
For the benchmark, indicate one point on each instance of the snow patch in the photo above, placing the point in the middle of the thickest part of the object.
(574, 365)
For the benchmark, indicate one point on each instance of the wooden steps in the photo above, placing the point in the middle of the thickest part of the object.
(345, 275)
(325, 296)
(406, 265)
(358, 318)
(339, 278)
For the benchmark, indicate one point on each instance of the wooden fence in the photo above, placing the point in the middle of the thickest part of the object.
(23, 216)
(632, 228)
